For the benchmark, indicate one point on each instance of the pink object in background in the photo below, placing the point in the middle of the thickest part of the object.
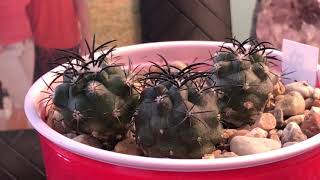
(68, 159)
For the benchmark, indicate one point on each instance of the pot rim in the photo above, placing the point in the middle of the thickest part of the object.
(158, 164)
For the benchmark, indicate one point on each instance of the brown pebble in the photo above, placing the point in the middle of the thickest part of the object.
(278, 114)
(302, 87)
(227, 133)
(217, 153)
(279, 88)
(257, 132)
(316, 103)
(127, 146)
(306, 112)
(208, 156)
(297, 119)
(227, 155)
(273, 131)
(311, 124)
(88, 140)
(241, 132)
(316, 93)
(309, 102)
(275, 137)
(266, 121)
(54, 120)
(273, 134)
(292, 133)
(291, 104)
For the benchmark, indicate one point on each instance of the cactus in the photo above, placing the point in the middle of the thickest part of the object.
(96, 95)
(242, 73)
(177, 116)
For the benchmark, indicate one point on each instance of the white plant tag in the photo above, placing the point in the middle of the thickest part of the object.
(299, 62)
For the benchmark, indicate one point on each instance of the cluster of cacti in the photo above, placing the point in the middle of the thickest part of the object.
(95, 97)
(176, 111)
(242, 75)
(177, 116)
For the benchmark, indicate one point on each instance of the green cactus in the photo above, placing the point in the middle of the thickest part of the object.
(96, 95)
(177, 116)
(242, 73)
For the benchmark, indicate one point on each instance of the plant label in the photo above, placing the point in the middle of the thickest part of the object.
(299, 62)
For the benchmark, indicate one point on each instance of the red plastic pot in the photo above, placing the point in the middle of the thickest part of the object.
(68, 159)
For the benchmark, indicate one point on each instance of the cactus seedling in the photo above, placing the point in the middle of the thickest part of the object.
(177, 116)
(96, 95)
(243, 76)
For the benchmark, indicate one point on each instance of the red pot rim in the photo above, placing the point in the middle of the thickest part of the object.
(159, 164)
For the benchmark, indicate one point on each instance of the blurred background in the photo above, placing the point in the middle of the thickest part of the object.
(31, 30)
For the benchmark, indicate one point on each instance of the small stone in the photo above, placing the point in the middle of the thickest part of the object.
(273, 131)
(270, 105)
(100, 136)
(292, 133)
(311, 123)
(280, 132)
(316, 103)
(297, 119)
(227, 133)
(241, 132)
(128, 146)
(208, 156)
(88, 140)
(226, 155)
(315, 109)
(217, 153)
(309, 102)
(316, 93)
(266, 121)
(291, 103)
(278, 114)
(243, 145)
(289, 144)
(273, 134)
(302, 87)
(275, 137)
(279, 89)
(70, 135)
(257, 132)
(54, 120)
(306, 112)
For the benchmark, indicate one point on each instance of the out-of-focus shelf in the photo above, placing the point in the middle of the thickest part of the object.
(20, 155)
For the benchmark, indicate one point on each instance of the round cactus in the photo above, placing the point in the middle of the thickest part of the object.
(242, 73)
(177, 116)
(95, 96)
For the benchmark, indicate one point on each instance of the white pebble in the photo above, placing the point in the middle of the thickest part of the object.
(243, 145)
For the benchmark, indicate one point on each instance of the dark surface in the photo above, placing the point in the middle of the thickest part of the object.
(20, 156)
(168, 20)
